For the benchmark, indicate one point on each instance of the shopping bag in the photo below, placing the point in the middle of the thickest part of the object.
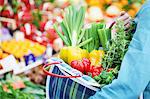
(64, 82)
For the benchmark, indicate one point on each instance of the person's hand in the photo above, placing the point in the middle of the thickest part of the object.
(125, 17)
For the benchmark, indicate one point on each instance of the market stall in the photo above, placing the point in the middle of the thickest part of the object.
(58, 40)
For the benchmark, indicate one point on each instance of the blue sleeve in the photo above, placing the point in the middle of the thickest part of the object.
(134, 74)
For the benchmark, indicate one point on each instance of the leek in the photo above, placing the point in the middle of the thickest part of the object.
(72, 24)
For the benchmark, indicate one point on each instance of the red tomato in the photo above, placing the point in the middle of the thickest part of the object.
(95, 70)
(83, 65)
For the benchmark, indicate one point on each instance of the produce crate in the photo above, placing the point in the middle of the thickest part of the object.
(69, 88)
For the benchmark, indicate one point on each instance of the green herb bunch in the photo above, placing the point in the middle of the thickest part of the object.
(116, 49)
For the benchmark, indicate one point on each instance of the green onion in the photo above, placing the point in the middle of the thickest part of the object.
(61, 35)
(72, 24)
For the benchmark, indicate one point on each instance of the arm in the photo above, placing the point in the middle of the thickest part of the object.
(134, 74)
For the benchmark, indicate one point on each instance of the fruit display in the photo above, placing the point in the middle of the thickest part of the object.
(111, 8)
(33, 19)
(26, 32)
(22, 48)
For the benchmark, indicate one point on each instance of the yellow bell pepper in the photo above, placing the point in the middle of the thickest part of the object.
(64, 54)
(85, 53)
(68, 54)
(75, 53)
(96, 57)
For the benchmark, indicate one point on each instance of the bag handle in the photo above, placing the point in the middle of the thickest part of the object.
(56, 75)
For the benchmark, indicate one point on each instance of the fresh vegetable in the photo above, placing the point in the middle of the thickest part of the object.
(14, 94)
(81, 65)
(75, 53)
(95, 71)
(114, 54)
(68, 54)
(87, 64)
(105, 77)
(102, 67)
(96, 57)
(92, 32)
(117, 47)
(71, 26)
(85, 67)
(63, 54)
(15, 87)
(105, 36)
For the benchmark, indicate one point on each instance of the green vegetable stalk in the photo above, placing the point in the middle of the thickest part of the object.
(72, 27)
(92, 32)
(105, 36)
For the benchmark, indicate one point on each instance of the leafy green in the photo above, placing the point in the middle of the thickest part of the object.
(31, 91)
(106, 77)
(14, 94)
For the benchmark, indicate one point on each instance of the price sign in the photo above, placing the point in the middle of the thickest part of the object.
(9, 63)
